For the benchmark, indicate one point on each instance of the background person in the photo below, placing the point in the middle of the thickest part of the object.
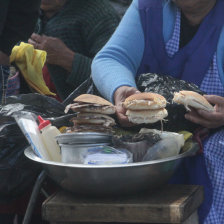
(184, 39)
(18, 18)
(72, 32)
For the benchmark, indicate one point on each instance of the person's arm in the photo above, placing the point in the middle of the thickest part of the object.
(19, 23)
(117, 63)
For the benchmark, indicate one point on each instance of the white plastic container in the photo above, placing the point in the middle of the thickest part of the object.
(48, 133)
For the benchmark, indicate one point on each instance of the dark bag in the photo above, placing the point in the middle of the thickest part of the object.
(18, 173)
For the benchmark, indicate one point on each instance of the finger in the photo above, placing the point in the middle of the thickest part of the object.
(30, 41)
(205, 114)
(198, 120)
(193, 112)
(36, 37)
(219, 108)
(214, 99)
(213, 116)
(121, 115)
(35, 44)
(45, 37)
(123, 120)
(131, 91)
(120, 109)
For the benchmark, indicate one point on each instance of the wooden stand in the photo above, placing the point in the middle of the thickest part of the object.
(170, 204)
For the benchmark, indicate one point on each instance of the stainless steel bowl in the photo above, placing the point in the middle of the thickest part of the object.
(112, 179)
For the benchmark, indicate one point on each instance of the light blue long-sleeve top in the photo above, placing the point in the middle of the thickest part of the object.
(117, 63)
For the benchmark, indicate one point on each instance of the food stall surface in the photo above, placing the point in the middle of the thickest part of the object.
(168, 204)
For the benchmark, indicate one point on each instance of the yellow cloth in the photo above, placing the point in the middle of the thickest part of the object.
(30, 63)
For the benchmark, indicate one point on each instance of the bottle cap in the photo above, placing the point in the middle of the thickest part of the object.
(43, 123)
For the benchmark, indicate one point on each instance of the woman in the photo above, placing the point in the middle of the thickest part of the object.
(72, 32)
(184, 39)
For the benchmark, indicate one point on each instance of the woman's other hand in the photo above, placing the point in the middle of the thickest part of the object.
(206, 119)
(119, 97)
(57, 52)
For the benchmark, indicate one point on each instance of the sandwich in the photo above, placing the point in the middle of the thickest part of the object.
(91, 104)
(89, 128)
(145, 108)
(93, 118)
(192, 99)
(145, 101)
(93, 114)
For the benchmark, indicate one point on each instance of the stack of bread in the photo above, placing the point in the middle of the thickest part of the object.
(145, 108)
(93, 114)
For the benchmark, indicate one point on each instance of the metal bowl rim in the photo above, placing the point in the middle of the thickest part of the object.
(31, 155)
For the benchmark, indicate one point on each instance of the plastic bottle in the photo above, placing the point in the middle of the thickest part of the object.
(28, 125)
(48, 133)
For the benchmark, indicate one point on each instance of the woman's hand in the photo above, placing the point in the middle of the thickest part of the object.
(209, 119)
(57, 52)
(119, 97)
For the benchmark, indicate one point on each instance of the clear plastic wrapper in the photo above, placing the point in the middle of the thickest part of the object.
(165, 148)
(106, 155)
(27, 123)
(137, 144)
(179, 138)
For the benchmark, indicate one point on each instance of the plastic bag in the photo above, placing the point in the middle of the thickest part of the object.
(163, 149)
(137, 144)
(170, 144)
(17, 173)
(178, 137)
(166, 86)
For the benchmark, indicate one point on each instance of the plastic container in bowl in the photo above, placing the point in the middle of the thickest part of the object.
(106, 155)
(74, 153)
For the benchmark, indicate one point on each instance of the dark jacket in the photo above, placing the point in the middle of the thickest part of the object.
(84, 26)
